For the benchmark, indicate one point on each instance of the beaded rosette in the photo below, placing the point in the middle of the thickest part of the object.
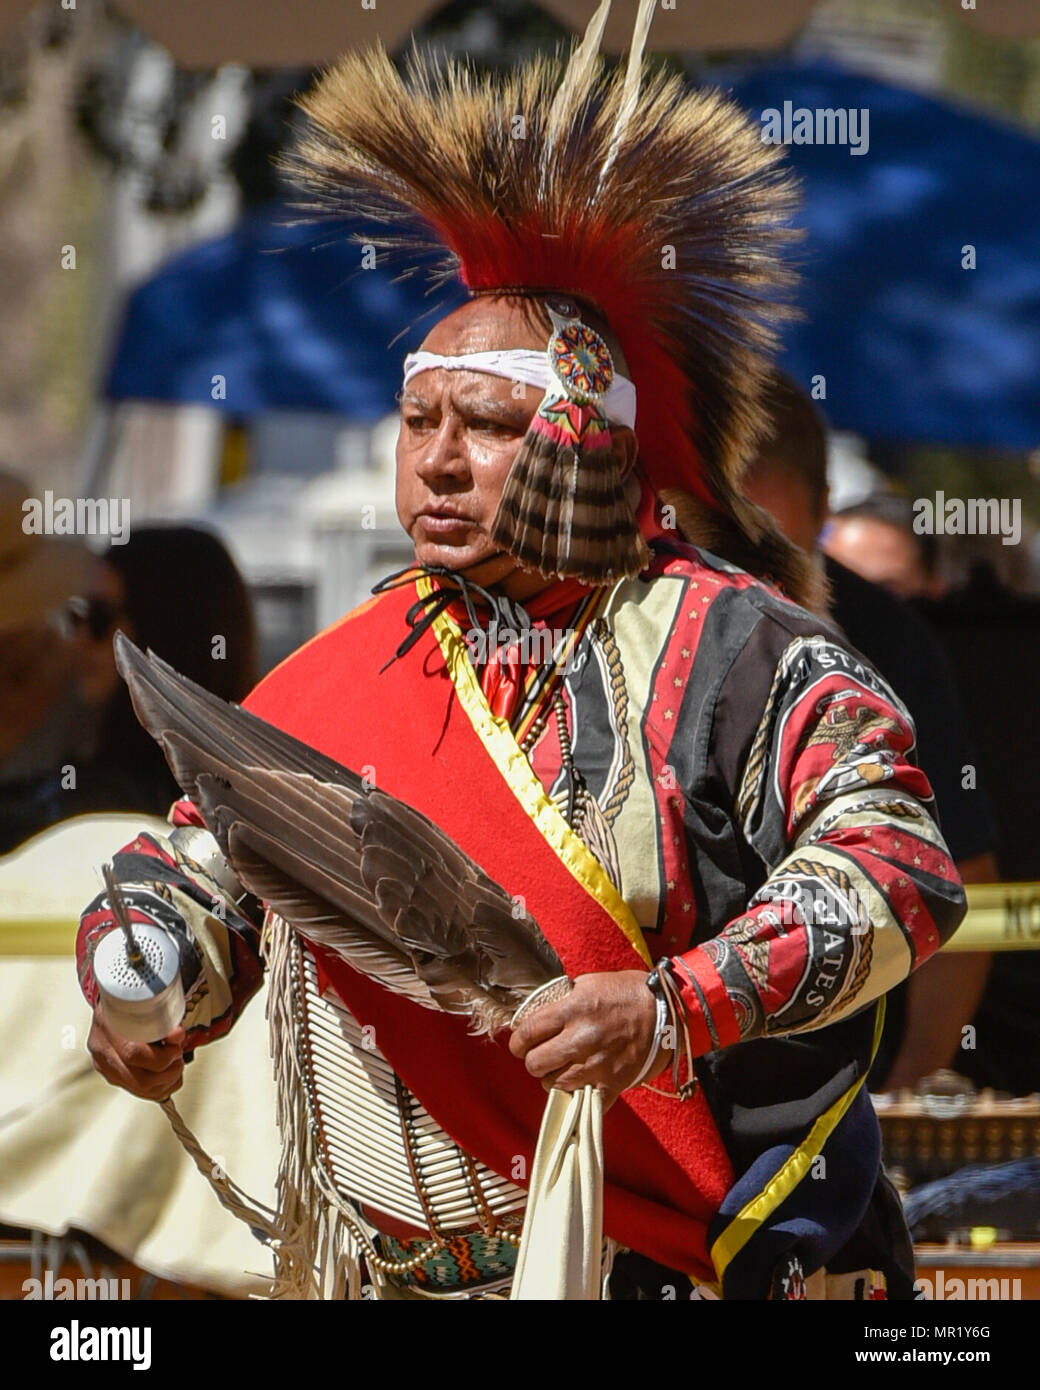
(579, 360)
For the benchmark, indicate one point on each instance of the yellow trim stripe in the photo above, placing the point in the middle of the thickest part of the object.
(512, 763)
(790, 1173)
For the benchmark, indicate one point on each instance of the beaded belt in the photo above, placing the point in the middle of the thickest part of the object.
(463, 1264)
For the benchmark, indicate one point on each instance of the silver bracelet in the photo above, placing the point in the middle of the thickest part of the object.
(660, 1025)
(665, 987)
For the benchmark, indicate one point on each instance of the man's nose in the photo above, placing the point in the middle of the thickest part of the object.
(443, 455)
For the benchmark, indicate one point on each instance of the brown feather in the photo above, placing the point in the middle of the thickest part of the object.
(587, 532)
(351, 867)
(753, 543)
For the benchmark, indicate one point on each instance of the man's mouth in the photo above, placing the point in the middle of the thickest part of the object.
(442, 521)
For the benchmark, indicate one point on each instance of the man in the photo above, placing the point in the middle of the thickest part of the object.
(788, 477)
(690, 773)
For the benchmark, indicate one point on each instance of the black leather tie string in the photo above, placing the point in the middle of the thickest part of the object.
(427, 608)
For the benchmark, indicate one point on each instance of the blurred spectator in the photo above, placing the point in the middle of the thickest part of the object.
(876, 540)
(789, 479)
(991, 633)
(41, 720)
(173, 589)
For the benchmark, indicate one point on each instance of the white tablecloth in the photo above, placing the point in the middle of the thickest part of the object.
(76, 1152)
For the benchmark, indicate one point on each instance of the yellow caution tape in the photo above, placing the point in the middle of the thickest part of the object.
(38, 936)
(1001, 917)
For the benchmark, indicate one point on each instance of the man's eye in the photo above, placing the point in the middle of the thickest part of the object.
(416, 422)
(493, 426)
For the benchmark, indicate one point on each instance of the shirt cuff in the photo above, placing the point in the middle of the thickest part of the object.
(713, 1020)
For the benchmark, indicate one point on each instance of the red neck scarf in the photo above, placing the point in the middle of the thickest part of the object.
(502, 678)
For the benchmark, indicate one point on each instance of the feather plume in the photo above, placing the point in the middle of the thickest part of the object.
(350, 867)
(657, 205)
(564, 508)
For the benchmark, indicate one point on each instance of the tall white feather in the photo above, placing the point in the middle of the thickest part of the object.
(633, 79)
(575, 79)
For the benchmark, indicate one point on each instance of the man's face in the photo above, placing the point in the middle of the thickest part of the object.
(786, 496)
(460, 432)
(880, 552)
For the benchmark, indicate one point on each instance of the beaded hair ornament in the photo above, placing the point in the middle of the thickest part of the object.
(564, 510)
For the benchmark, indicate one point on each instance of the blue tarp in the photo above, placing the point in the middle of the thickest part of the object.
(304, 327)
(913, 346)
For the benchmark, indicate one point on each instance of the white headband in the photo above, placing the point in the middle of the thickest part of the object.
(529, 366)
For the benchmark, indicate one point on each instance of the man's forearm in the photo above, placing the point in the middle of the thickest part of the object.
(864, 897)
(182, 883)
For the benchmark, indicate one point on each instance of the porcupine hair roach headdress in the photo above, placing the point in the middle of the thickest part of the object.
(659, 207)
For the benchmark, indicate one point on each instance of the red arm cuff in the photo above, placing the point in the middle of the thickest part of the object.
(713, 1022)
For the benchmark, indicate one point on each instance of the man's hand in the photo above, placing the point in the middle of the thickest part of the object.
(599, 1035)
(152, 1071)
